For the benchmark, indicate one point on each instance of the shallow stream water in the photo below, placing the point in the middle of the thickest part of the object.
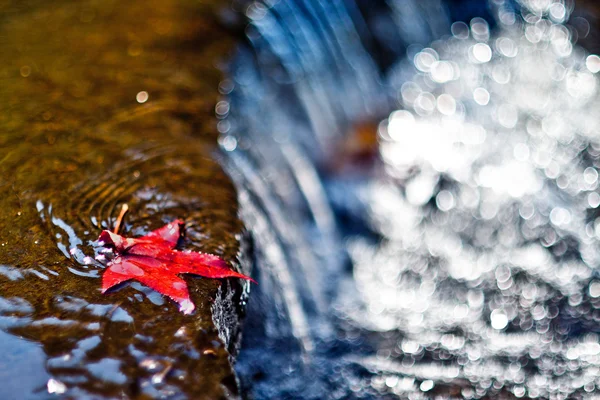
(105, 103)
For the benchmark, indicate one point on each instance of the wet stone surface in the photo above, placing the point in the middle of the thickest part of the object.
(104, 103)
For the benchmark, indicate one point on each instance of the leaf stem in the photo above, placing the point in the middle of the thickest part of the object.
(124, 209)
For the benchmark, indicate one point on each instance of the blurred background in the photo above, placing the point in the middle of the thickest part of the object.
(423, 186)
(413, 183)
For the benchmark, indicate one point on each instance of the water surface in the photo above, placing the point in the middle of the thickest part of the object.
(472, 241)
(103, 104)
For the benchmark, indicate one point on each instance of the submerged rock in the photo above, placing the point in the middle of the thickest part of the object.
(103, 104)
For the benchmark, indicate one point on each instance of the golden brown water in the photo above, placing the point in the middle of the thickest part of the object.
(101, 103)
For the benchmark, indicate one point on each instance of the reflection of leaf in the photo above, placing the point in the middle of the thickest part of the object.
(153, 260)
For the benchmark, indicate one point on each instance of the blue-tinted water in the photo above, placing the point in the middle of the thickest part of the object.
(458, 262)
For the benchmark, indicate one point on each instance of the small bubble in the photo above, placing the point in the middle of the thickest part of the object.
(507, 17)
(558, 12)
(501, 74)
(560, 216)
(593, 200)
(446, 104)
(441, 71)
(481, 52)
(593, 63)
(526, 211)
(589, 387)
(460, 30)
(481, 96)
(256, 11)
(226, 86)
(480, 28)
(590, 175)
(507, 47)
(410, 91)
(594, 289)
(427, 385)
(498, 319)
(229, 143)
(410, 347)
(444, 200)
(425, 59)
(25, 71)
(533, 33)
(582, 26)
(507, 115)
(425, 103)
(223, 126)
(519, 391)
(503, 273)
(141, 97)
(222, 108)
(420, 189)
(392, 381)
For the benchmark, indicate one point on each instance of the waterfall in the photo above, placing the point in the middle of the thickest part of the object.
(474, 271)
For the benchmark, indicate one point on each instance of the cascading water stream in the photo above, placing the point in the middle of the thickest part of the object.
(475, 276)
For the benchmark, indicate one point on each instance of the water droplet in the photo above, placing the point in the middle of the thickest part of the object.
(141, 97)
(55, 386)
(426, 385)
(481, 96)
(594, 289)
(593, 200)
(25, 71)
(460, 30)
(446, 104)
(593, 63)
(498, 319)
(444, 200)
(481, 52)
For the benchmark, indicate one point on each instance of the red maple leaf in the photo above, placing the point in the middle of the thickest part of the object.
(153, 261)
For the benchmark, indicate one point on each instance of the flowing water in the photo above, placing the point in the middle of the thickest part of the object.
(418, 178)
(461, 262)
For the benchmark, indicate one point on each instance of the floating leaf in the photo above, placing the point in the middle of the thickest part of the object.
(154, 261)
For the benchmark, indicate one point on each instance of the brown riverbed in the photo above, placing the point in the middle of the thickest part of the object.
(104, 103)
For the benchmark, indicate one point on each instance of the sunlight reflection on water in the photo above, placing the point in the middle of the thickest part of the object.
(488, 213)
(473, 243)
